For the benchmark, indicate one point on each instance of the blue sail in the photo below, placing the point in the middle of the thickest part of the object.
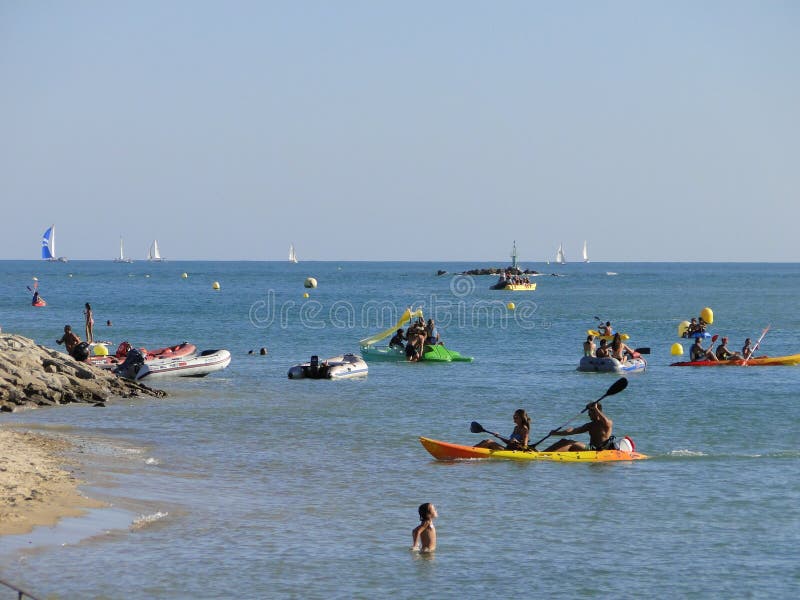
(47, 249)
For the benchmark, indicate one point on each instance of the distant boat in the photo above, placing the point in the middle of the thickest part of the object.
(585, 252)
(292, 254)
(153, 255)
(560, 255)
(49, 246)
(121, 258)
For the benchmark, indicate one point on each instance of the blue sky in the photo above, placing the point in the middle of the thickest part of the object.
(409, 130)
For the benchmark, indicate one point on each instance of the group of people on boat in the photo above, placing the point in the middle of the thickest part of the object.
(696, 326)
(616, 349)
(600, 430)
(415, 338)
(511, 278)
(699, 353)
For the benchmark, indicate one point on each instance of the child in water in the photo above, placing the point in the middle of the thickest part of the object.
(424, 534)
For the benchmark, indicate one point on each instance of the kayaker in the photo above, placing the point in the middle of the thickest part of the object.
(602, 350)
(723, 353)
(518, 440)
(693, 328)
(606, 330)
(599, 429)
(423, 536)
(588, 346)
(698, 353)
(747, 351)
(35, 299)
(398, 339)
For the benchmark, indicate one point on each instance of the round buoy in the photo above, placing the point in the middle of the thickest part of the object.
(100, 350)
(511, 306)
(676, 350)
(682, 327)
(305, 295)
(310, 282)
(185, 275)
(707, 315)
(215, 285)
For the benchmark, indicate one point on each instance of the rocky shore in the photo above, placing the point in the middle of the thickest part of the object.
(32, 375)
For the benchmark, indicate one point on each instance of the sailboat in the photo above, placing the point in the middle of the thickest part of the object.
(121, 258)
(560, 255)
(153, 255)
(292, 254)
(585, 252)
(49, 245)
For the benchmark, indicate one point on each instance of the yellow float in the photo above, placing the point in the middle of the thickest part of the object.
(707, 315)
(676, 350)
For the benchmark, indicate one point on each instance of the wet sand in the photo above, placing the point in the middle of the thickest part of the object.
(37, 487)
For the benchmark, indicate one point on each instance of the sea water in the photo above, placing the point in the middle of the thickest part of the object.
(247, 484)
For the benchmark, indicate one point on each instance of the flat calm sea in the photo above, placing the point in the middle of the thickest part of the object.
(247, 484)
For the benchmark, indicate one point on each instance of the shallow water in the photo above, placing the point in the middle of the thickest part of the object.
(246, 483)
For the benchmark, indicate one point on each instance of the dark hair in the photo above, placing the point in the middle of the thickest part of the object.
(424, 511)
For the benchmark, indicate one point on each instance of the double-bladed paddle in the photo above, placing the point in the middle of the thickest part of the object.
(616, 387)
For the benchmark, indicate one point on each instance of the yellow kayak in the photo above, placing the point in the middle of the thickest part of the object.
(608, 338)
(447, 451)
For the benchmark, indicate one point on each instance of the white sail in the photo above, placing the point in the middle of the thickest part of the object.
(153, 254)
(121, 258)
(560, 255)
(292, 254)
(585, 252)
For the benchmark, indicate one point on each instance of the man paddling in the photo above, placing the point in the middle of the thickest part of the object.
(599, 430)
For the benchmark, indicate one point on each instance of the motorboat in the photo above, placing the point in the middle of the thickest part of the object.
(337, 367)
(197, 365)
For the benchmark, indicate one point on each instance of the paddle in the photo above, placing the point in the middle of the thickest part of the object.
(758, 343)
(616, 387)
(476, 427)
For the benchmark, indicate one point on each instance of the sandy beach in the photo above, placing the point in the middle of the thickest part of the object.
(36, 485)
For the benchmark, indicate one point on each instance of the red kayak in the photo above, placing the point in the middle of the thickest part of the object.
(759, 361)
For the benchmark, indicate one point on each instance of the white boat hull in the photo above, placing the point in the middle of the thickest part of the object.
(338, 367)
(592, 364)
(198, 365)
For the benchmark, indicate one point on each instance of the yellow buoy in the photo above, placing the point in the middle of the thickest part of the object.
(310, 282)
(707, 315)
(676, 350)
(185, 275)
(682, 327)
(511, 306)
(100, 350)
(305, 295)
(215, 285)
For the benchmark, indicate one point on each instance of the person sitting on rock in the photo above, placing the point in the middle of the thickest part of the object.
(69, 339)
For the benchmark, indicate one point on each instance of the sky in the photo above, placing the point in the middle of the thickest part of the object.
(415, 130)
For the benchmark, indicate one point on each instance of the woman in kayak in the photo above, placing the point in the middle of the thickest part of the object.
(747, 350)
(518, 440)
(423, 536)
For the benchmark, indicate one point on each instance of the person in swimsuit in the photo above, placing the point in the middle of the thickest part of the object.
(423, 536)
(606, 329)
(619, 349)
(602, 350)
(398, 339)
(723, 353)
(698, 353)
(747, 350)
(599, 429)
(89, 323)
(588, 346)
(518, 440)
(412, 352)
